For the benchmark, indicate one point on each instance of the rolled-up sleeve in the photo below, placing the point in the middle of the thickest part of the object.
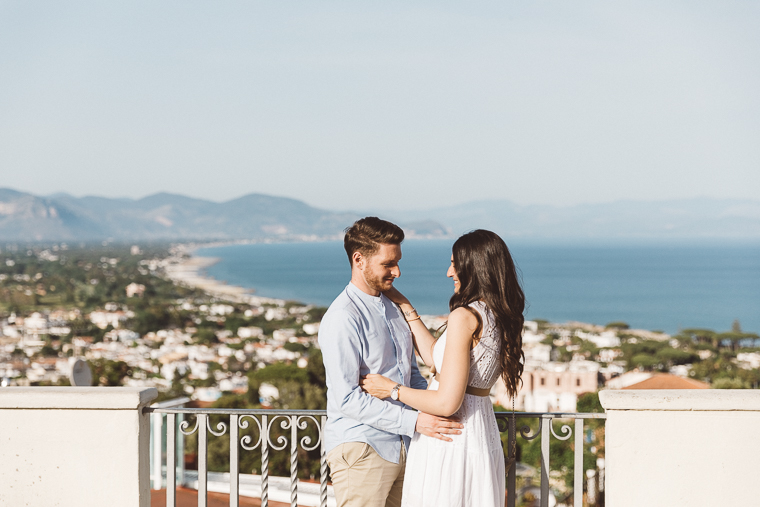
(339, 339)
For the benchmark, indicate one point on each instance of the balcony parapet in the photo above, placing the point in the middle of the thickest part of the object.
(74, 446)
(76, 398)
(681, 447)
(692, 400)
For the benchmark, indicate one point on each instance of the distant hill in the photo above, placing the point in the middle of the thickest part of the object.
(62, 217)
(677, 219)
(163, 216)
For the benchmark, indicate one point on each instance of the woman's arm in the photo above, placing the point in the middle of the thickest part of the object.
(456, 369)
(420, 333)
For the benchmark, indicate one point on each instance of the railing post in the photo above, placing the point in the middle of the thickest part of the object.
(591, 477)
(180, 451)
(600, 472)
(322, 466)
(578, 472)
(171, 460)
(264, 461)
(158, 435)
(234, 462)
(512, 472)
(294, 461)
(202, 461)
(545, 443)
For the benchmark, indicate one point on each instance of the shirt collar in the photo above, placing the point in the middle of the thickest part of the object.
(353, 289)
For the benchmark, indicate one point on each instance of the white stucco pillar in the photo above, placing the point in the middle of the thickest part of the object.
(75, 446)
(681, 447)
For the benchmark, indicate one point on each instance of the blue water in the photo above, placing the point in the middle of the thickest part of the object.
(650, 287)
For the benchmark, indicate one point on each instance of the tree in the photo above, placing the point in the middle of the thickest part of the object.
(644, 361)
(315, 314)
(109, 373)
(702, 335)
(588, 403)
(730, 383)
(281, 372)
(670, 357)
(294, 347)
(48, 350)
(732, 338)
(316, 368)
(205, 336)
(177, 388)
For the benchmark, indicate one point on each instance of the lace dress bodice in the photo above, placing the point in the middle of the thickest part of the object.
(484, 357)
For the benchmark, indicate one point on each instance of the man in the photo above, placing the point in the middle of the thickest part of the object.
(363, 332)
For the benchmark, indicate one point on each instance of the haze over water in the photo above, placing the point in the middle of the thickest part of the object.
(651, 287)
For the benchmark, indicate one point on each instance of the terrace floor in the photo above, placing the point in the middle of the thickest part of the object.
(189, 498)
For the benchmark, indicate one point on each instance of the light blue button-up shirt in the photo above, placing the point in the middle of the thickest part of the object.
(363, 334)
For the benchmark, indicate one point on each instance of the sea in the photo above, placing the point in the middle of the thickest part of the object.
(665, 287)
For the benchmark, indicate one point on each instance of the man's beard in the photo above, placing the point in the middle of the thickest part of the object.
(377, 283)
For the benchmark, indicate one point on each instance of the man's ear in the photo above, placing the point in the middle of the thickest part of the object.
(358, 259)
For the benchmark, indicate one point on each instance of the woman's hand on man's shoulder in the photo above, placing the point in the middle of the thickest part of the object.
(394, 295)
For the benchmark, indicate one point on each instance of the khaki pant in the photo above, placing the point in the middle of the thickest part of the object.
(361, 478)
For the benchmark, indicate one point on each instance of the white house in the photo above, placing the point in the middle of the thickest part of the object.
(220, 309)
(605, 339)
(102, 319)
(538, 352)
(36, 323)
(250, 332)
(311, 328)
(135, 289)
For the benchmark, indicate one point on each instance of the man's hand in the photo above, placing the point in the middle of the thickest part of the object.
(438, 427)
(377, 385)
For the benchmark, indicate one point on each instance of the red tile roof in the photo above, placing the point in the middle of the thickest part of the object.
(668, 381)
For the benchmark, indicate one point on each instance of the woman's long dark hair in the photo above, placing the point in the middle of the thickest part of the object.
(487, 273)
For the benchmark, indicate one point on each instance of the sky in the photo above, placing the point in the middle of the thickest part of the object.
(393, 104)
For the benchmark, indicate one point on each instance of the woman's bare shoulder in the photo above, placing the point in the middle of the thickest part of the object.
(462, 317)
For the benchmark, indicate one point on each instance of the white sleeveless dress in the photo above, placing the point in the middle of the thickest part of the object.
(470, 470)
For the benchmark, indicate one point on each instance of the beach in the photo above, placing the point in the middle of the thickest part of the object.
(187, 269)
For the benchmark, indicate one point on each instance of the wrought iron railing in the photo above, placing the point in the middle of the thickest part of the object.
(290, 422)
(546, 430)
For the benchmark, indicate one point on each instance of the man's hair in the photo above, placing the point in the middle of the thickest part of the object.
(367, 234)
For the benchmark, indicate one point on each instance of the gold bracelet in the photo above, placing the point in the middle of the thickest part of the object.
(412, 320)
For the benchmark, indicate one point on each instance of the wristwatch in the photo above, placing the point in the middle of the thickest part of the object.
(394, 392)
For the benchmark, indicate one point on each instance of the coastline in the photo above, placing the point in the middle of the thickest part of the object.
(189, 265)
(185, 268)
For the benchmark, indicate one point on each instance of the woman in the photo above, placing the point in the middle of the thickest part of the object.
(482, 341)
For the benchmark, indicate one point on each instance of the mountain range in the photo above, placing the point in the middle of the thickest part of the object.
(692, 219)
(163, 216)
